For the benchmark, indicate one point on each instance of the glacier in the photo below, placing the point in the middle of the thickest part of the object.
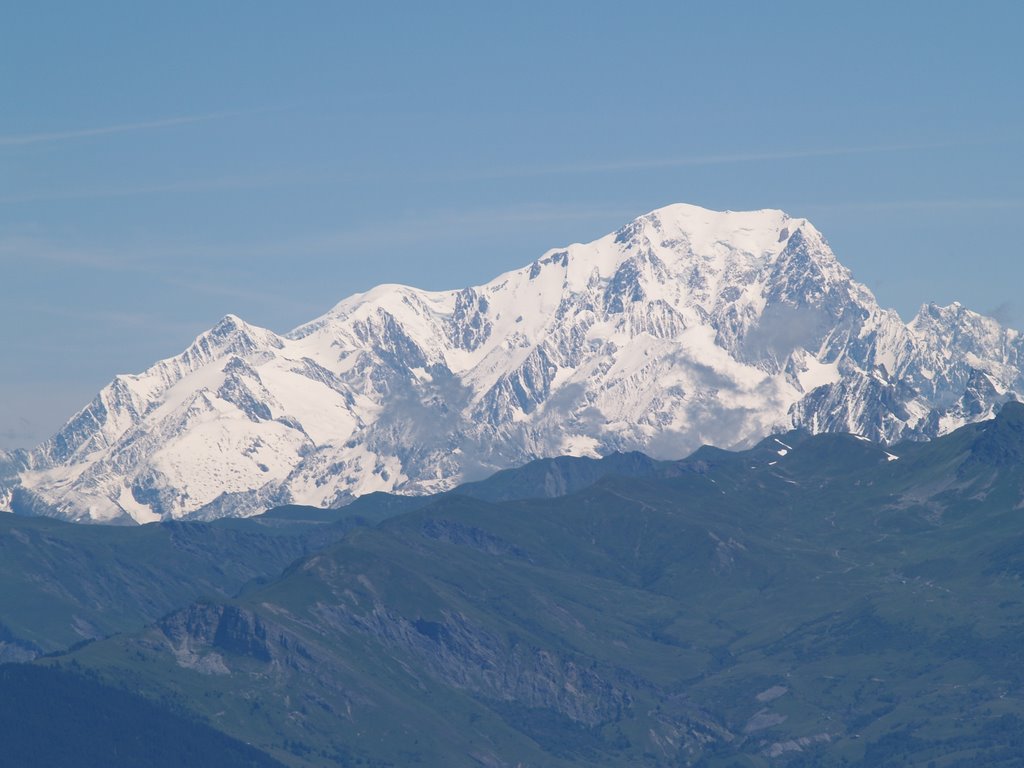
(685, 327)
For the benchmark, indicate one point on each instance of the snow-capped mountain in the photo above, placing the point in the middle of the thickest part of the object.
(686, 326)
(11, 462)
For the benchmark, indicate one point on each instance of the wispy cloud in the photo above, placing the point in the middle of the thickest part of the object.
(224, 269)
(511, 214)
(444, 225)
(113, 320)
(21, 430)
(232, 290)
(409, 229)
(194, 185)
(978, 203)
(1005, 313)
(17, 249)
(41, 137)
(725, 158)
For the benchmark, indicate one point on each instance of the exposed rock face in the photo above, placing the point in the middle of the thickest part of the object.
(685, 327)
(219, 639)
(199, 635)
(468, 657)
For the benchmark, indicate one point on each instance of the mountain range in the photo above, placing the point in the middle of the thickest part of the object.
(685, 327)
(815, 600)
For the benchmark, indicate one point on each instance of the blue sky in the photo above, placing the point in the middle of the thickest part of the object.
(164, 164)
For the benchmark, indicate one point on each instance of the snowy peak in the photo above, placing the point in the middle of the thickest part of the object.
(684, 327)
(128, 398)
(954, 337)
(231, 335)
(705, 231)
(970, 329)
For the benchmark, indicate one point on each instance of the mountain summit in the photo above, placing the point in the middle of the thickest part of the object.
(686, 326)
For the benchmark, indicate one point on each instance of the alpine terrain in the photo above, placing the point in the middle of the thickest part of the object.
(685, 327)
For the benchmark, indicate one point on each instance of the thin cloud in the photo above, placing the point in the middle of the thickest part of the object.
(1004, 313)
(980, 203)
(18, 437)
(441, 225)
(20, 430)
(114, 320)
(42, 137)
(15, 249)
(401, 230)
(197, 185)
(698, 160)
(206, 287)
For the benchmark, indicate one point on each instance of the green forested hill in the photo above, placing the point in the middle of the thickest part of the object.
(813, 601)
